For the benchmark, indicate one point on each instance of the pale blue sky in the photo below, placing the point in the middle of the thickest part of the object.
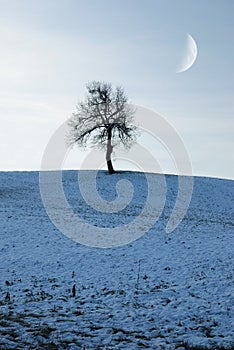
(49, 49)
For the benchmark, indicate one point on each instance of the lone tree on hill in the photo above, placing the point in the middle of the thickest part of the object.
(104, 119)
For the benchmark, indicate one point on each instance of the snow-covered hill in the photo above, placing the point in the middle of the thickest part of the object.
(162, 291)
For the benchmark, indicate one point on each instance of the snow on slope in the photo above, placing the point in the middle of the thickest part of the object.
(157, 292)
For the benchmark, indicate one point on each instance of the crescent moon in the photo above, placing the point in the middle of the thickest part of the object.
(189, 56)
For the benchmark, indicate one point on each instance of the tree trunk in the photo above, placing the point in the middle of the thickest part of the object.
(108, 153)
(110, 167)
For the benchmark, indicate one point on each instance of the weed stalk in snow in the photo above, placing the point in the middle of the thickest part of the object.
(136, 292)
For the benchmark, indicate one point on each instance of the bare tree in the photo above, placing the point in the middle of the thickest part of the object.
(104, 119)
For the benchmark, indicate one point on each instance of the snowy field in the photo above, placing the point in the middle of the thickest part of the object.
(162, 291)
